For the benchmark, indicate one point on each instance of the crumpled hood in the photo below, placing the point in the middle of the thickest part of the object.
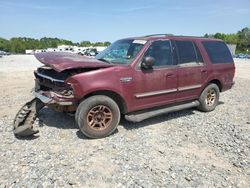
(61, 61)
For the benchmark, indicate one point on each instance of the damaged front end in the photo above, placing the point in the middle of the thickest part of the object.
(25, 118)
(50, 90)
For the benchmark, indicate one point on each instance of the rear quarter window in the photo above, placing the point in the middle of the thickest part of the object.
(218, 52)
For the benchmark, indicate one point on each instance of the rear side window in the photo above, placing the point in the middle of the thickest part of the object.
(218, 52)
(186, 52)
(198, 53)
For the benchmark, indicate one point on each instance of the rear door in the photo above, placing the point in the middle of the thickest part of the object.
(191, 70)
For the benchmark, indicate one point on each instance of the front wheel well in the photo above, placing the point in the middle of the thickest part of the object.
(116, 97)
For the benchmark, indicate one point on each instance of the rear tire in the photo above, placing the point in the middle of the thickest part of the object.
(98, 116)
(209, 98)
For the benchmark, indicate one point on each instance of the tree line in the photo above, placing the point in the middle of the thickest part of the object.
(20, 44)
(241, 39)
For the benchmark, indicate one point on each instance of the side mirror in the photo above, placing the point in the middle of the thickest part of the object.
(148, 63)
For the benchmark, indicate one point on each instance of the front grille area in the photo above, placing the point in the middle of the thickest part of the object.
(48, 79)
(48, 71)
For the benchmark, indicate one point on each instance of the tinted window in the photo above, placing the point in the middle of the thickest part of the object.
(218, 52)
(186, 52)
(198, 54)
(161, 51)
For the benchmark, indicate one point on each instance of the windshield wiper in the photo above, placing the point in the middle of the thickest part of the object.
(104, 60)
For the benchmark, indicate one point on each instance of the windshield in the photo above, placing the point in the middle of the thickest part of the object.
(121, 51)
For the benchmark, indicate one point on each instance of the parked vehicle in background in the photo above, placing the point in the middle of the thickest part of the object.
(242, 56)
(89, 52)
(2, 53)
(138, 77)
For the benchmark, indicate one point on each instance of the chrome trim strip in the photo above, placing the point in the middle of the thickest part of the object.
(126, 79)
(50, 78)
(189, 87)
(149, 94)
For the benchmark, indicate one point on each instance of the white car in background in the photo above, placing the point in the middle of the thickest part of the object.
(2, 53)
(89, 52)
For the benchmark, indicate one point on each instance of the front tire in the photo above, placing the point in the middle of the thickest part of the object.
(98, 116)
(209, 98)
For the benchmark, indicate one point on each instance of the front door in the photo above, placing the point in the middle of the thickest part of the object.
(157, 86)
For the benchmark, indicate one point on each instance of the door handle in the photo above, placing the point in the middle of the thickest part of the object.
(203, 70)
(170, 74)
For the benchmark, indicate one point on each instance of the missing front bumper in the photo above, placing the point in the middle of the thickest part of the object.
(53, 98)
(23, 124)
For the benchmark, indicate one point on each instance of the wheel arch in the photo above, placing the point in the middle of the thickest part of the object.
(217, 82)
(113, 95)
(214, 81)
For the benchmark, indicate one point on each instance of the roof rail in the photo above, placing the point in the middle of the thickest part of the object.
(156, 35)
(172, 35)
(189, 36)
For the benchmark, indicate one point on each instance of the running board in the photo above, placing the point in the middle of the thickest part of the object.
(138, 117)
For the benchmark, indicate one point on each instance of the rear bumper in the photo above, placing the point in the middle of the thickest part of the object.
(49, 97)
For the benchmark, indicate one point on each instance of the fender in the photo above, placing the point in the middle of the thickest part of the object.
(107, 79)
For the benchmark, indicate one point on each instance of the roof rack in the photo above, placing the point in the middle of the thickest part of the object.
(189, 36)
(172, 35)
(157, 35)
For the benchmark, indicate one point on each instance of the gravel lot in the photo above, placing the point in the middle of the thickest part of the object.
(182, 149)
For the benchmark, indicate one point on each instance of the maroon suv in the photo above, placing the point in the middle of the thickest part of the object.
(139, 77)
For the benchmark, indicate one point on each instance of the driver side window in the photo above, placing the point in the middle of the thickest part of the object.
(161, 52)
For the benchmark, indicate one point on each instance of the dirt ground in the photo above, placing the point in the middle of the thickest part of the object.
(184, 149)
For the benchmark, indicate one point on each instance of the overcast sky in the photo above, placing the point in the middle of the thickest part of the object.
(109, 20)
